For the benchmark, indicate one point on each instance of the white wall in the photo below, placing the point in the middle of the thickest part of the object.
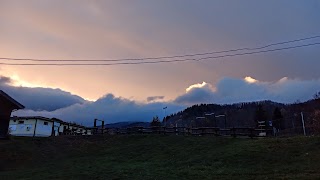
(61, 128)
(25, 129)
(89, 132)
(43, 127)
(43, 130)
(56, 128)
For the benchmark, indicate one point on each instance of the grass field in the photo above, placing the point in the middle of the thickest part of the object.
(160, 157)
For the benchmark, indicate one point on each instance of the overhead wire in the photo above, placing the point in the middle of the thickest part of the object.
(160, 57)
(161, 61)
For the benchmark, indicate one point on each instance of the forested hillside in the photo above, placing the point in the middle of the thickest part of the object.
(247, 114)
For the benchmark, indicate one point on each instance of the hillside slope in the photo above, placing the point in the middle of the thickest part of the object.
(243, 114)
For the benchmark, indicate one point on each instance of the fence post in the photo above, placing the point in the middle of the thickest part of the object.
(225, 120)
(176, 129)
(234, 132)
(251, 132)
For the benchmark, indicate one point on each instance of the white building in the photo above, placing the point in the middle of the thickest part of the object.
(37, 126)
(33, 126)
(60, 126)
(81, 130)
(89, 131)
(72, 129)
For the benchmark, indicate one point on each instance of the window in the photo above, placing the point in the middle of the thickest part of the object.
(21, 122)
(45, 123)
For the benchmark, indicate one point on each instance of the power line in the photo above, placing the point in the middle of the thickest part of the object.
(264, 51)
(161, 57)
(162, 61)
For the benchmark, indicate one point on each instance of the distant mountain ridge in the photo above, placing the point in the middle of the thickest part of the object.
(127, 124)
(231, 115)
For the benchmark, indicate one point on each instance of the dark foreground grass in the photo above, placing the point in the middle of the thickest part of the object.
(160, 157)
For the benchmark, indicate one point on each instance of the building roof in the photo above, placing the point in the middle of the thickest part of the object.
(32, 117)
(59, 121)
(76, 125)
(14, 103)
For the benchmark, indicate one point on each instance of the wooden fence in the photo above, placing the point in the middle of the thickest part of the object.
(195, 131)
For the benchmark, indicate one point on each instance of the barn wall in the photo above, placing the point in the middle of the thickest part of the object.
(5, 113)
(25, 129)
(43, 130)
(56, 128)
(4, 124)
(61, 128)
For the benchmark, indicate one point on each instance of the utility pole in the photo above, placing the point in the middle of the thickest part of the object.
(225, 121)
(164, 116)
(102, 125)
(304, 128)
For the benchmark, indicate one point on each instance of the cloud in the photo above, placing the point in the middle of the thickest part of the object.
(154, 98)
(109, 108)
(250, 79)
(5, 80)
(195, 86)
(49, 102)
(227, 90)
(38, 98)
(196, 93)
(133, 29)
(233, 90)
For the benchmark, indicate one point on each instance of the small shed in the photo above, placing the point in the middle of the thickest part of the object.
(63, 128)
(88, 131)
(7, 105)
(72, 128)
(33, 126)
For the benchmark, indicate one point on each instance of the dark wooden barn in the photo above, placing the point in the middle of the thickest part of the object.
(7, 105)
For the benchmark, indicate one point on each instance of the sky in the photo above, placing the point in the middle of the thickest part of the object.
(80, 29)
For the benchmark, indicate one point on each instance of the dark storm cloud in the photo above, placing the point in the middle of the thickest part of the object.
(39, 98)
(196, 95)
(109, 108)
(232, 90)
(227, 90)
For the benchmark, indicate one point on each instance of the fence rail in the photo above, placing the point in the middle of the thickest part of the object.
(195, 131)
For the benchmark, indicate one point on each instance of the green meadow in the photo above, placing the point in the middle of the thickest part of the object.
(160, 157)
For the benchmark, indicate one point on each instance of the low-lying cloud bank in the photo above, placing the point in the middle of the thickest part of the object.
(109, 108)
(232, 90)
(39, 98)
(116, 109)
